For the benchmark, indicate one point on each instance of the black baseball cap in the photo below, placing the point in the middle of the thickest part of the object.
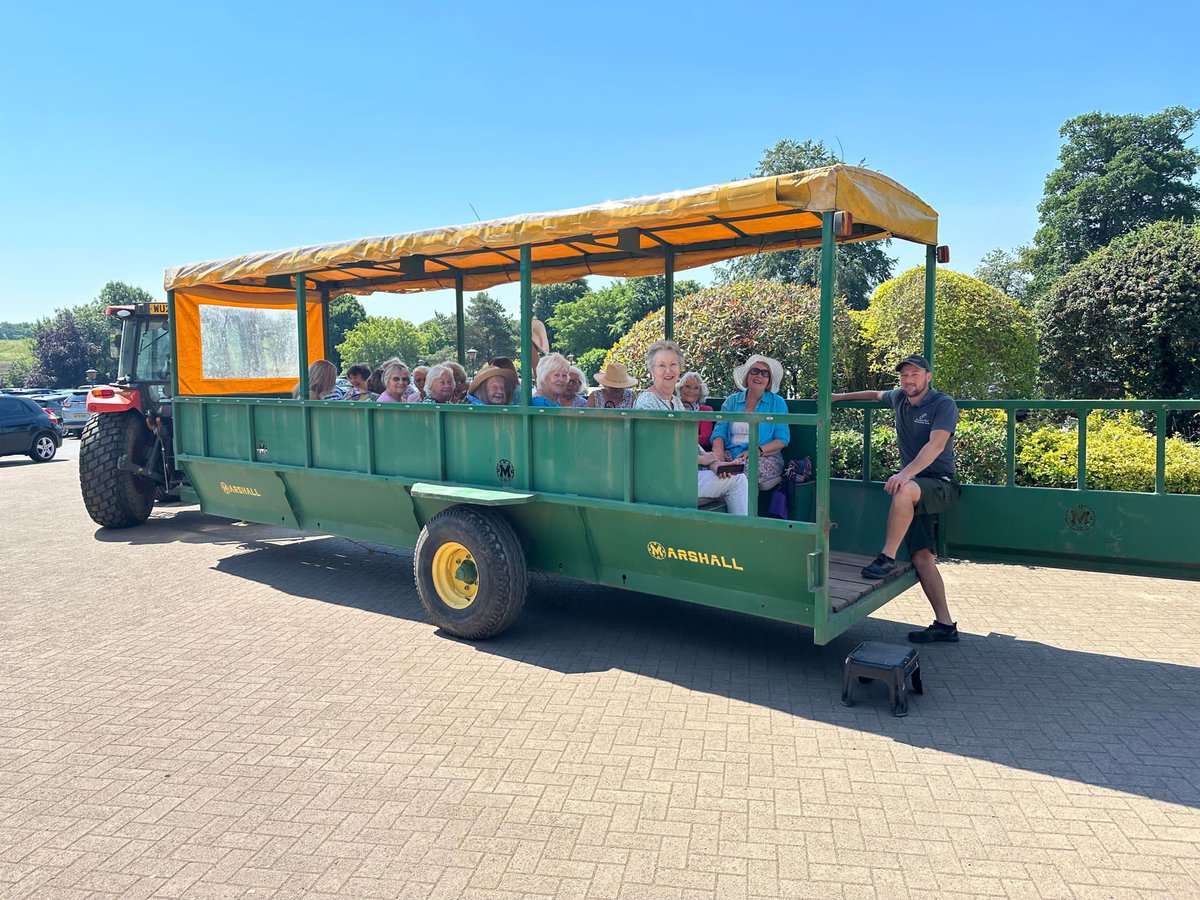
(914, 360)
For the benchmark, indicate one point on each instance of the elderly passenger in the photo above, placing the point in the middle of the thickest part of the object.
(357, 375)
(412, 394)
(460, 382)
(552, 374)
(322, 382)
(664, 359)
(759, 378)
(375, 383)
(418, 379)
(493, 386)
(694, 392)
(397, 384)
(616, 386)
(574, 386)
(439, 384)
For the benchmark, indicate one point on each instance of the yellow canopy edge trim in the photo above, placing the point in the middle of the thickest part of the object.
(871, 198)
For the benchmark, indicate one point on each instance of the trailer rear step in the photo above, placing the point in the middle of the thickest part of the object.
(846, 583)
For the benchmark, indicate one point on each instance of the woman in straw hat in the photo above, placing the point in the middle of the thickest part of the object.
(759, 378)
(492, 386)
(616, 386)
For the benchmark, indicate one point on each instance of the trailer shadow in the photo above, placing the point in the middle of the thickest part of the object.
(1126, 724)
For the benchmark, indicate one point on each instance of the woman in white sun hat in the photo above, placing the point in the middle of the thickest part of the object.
(759, 378)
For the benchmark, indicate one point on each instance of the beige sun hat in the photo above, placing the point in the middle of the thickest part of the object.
(541, 341)
(739, 374)
(615, 375)
(490, 371)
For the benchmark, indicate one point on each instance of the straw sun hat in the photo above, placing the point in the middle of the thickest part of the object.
(739, 374)
(491, 371)
(615, 375)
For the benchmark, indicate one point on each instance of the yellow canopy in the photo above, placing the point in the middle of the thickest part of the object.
(620, 238)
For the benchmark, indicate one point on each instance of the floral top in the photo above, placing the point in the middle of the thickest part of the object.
(650, 400)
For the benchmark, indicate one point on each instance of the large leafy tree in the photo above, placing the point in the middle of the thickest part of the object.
(15, 331)
(377, 338)
(719, 327)
(1007, 271)
(1126, 321)
(345, 312)
(547, 297)
(64, 348)
(985, 343)
(437, 338)
(1115, 174)
(489, 329)
(859, 268)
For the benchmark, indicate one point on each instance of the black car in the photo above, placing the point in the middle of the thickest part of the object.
(26, 428)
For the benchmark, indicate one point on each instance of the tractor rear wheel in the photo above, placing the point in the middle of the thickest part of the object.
(114, 497)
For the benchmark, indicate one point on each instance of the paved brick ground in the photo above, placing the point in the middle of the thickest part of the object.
(199, 708)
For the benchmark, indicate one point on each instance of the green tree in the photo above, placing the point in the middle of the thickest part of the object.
(489, 329)
(547, 297)
(1007, 271)
(859, 268)
(15, 331)
(437, 337)
(118, 293)
(1126, 321)
(345, 312)
(1115, 174)
(985, 343)
(719, 327)
(63, 350)
(377, 338)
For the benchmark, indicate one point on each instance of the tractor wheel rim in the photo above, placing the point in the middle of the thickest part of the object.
(45, 447)
(455, 576)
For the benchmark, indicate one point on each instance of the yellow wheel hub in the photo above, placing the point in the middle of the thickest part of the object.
(455, 576)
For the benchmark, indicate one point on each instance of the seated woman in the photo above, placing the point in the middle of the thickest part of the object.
(397, 384)
(616, 386)
(552, 374)
(322, 382)
(493, 386)
(375, 383)
(759, 378)
(693, 392)
(418, 377)
(460, 382)
(664, 359)
(439, 384)
(574, 386)
(358, 375)
(412, 393)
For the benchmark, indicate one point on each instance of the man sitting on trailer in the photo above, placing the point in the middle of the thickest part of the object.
(924, 486)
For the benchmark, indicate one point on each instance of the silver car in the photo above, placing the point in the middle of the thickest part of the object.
(74, 410)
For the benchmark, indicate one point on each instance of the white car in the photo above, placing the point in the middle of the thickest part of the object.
(74, 410)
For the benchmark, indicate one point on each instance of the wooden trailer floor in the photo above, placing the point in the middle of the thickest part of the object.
(846, 584)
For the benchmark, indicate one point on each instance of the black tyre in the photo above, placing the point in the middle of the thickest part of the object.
(43, 447)
(114, 498)
(470, 572)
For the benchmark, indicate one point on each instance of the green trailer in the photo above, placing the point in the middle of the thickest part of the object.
(484, 494)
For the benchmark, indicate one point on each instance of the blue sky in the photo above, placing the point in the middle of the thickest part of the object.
(137, 136)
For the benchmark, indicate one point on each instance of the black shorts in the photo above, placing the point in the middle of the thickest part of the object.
(937, 496)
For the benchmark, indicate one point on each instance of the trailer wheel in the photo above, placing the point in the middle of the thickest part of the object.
(470, 572)
(113, 497)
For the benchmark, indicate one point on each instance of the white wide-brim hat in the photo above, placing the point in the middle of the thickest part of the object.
(739, 374)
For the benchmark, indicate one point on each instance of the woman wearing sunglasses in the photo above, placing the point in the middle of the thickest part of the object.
(759, 378)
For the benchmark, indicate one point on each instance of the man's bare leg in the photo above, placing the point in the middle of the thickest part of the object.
(900, 516)
(931, 583)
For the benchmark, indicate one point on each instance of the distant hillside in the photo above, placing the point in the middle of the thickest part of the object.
(11, 350)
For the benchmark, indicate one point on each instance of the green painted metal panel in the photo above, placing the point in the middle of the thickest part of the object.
(340, 436)
(367, 508)
(453, 493)
(406, 441)
(228, 436)
(240, 491)
(859, 512)
(578, 454)
(483, 446)
(664, 463)
(188, 426)
(279, 433)
(1107, 530)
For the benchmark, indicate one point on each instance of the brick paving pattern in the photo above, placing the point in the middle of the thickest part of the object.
(200, 708)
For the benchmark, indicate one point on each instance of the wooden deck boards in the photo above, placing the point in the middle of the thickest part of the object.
(846, 584)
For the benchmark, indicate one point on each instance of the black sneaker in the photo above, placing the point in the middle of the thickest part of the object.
(935, 632)
(882, 567)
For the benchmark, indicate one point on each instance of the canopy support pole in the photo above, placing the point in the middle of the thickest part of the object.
(460, 322)
(821, 610)
(302, 333)
(669, 275)
(174, 344)
(526, 323)
(930, 294)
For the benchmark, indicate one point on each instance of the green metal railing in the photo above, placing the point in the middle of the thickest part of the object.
(1082, 410)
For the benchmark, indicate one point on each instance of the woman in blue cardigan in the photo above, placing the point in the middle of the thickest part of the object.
(759, 378)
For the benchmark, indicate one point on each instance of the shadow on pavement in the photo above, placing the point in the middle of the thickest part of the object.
(1126, 724)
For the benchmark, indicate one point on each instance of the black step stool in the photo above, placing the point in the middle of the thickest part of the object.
(891, 662)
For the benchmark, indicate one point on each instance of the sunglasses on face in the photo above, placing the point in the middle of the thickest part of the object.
(761, 373)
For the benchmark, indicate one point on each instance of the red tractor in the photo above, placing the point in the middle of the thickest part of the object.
(126, 455)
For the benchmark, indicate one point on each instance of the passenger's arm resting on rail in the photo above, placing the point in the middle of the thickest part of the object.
(933, 447)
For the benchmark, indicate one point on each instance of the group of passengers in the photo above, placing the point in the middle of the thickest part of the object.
(723, 448)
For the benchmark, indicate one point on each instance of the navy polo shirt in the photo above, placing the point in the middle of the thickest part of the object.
(938, 412)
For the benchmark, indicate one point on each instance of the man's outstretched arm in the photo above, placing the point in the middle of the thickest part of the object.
(857, 395)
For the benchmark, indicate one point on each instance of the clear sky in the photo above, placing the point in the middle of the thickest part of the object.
(137, 136)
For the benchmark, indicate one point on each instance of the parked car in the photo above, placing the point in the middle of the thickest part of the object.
(27, 428)
(74, 410)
